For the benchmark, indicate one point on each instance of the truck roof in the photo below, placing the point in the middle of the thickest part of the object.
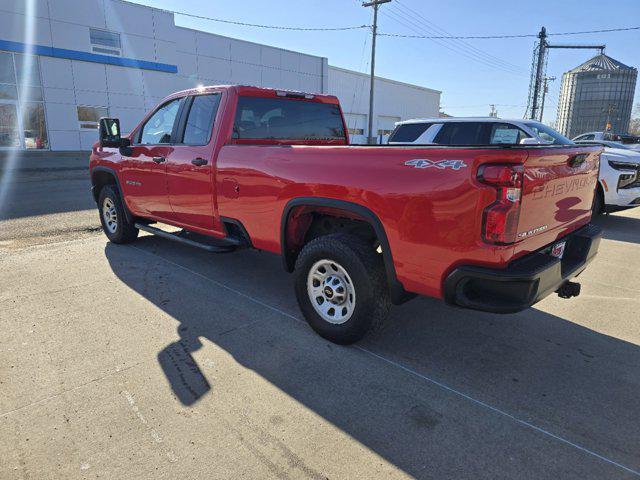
(251, 90)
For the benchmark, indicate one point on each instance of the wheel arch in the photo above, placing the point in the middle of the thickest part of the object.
(396, 289)
(102, 176)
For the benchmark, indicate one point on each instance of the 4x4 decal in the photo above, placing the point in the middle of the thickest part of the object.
(440, 164)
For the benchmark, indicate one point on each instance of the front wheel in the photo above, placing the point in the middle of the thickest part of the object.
(113, 218)
(341, 287)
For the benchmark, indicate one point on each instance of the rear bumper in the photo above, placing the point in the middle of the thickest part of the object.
(525, 281)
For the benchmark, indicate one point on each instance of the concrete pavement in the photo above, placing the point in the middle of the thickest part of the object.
(155, 360)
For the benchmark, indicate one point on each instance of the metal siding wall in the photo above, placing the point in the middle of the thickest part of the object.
(392, 99)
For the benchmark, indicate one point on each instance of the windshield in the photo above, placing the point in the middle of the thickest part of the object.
(548, 134)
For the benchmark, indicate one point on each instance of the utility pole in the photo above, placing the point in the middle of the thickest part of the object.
(545, 90)
(375, 4)
(542, 50)
(538, 68)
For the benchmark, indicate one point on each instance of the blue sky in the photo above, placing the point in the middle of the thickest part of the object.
(468, 85)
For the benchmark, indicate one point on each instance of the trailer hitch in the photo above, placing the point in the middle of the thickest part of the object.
(568, 290)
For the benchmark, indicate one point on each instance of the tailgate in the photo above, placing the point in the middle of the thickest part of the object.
(558, 188)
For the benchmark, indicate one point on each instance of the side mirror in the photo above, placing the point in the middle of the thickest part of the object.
(110, 133)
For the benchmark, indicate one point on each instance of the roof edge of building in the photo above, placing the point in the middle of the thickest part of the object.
(397, 82)
(246, 41)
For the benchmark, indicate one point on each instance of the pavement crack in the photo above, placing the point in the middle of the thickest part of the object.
(62, 392)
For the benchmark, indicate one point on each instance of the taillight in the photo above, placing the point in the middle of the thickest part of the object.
(500, 219)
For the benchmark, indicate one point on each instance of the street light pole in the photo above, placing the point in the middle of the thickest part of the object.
(375, 4)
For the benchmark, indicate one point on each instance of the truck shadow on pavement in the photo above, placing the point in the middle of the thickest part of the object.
(622, 228)
(45, 192)
(553, 373)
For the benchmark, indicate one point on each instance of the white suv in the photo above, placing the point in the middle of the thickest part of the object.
(630, 141)
(475, 131)
(619, 182)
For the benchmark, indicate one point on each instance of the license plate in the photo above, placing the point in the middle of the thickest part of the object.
(558, 249)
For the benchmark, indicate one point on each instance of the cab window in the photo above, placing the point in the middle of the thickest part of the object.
(260, 118)
(158, 129)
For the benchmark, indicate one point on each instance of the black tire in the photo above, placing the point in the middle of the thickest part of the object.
(124, 231)
(366, 270)
(598, 202)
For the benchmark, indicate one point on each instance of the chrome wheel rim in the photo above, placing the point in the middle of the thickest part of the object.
(110, 215)
(331, 291)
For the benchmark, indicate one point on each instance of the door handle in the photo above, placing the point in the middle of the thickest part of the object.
(199, 162)
(159, 159)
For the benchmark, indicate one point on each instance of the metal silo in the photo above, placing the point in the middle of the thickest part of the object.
(594, 93)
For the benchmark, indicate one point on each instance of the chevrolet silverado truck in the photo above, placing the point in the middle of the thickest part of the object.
(493, 228)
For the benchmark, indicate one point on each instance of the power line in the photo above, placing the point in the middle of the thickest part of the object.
(463, 50)
(487, 37)
(596, 31)
(454, 48)
(272, 27)
(433, 27)
(399, 35)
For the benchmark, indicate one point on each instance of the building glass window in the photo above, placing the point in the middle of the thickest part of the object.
(22, 113)
(8, 92)
(105, 42)
(27, 70)
(88, 117)
(34, 124)
(7, 72)
(9, 129)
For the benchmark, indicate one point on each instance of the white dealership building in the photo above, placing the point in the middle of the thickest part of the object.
(95, 58)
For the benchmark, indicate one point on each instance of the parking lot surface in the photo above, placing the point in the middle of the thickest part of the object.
(155, 360)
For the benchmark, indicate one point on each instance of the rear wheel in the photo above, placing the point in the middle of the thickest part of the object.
(341, 287)
(112, 216)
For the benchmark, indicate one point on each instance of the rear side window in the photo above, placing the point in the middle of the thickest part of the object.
(199, 125)
(462, 133)
(286, 119)
(158, 128)
(409, 132)
(505, 134)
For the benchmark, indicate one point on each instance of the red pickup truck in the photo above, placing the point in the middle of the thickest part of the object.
(492, 228)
